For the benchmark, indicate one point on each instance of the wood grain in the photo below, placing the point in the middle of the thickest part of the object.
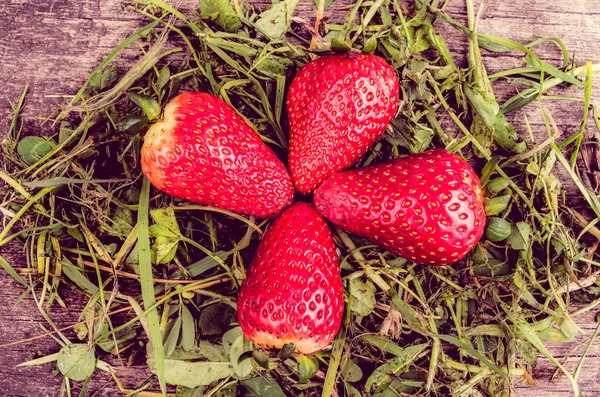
(54, 46)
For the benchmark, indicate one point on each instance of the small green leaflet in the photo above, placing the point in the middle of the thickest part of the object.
(240, 346)
(222, 13)
(149, 105)
(497, 205)
(166, 234)
(33, 148)
(205, 351)
(384, 375)
(308, 367)
(163, 78)
(102, 80)
(519, 237)
(188, 329)
(194, 373)
(364, 297)
(132, 124)
(172, 336)
(351, 371)
(262, 386)
(275, 21)
(76, 361)
(215, 319)
(230, 337)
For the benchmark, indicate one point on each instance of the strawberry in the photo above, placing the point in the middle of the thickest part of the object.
(204, 152)
(426, 207)
(293, 289)
(338, 106)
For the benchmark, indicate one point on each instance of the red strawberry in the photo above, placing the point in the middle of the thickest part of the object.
(204, 152)
(293, 289)
(337, 107)
(426, 207)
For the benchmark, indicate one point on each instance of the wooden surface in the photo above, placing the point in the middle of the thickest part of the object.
(54, 45)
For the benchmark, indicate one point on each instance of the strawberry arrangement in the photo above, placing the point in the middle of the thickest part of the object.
(427, 208)
(287, 210)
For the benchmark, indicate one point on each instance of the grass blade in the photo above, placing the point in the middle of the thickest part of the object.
(16, 111)
(472, 352)
(336, 356)
(8, 268)
(154, 334)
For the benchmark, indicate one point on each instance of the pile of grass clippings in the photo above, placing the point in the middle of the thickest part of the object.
(88, 220)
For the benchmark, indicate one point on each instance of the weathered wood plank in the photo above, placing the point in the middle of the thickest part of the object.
(55, 45)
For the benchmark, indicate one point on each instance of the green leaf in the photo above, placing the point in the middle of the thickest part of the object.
(408, 313)
(188, 329)
(133, 124)
(207, 263)
(163, 78)
(172, 337)
(109, 77)
(274, 66)
(205, 351)
(166, 217)
(352, 372)
(486, 108)
(230, 337)
(65, 131)
(102, 80)
(76, 275)
(193, 373)
(370, 45)
(286, 351)
(215, 319)
(340, 46)
(308, 367)
(496, 185)
(183, 391)
(261, 357)
(222, 13)
(506, 135)
(39, 361)
(33, 148)
(497, 205)
(240, 346)
(529, 353)
(76, 361)
(149, 105)
(384, 375)
(497, 229)
(166, 234)
(386, 18)
(262, 386)
(275, 21)
(489, 113)
(519, 236)
(351, 391)
(364, 297)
